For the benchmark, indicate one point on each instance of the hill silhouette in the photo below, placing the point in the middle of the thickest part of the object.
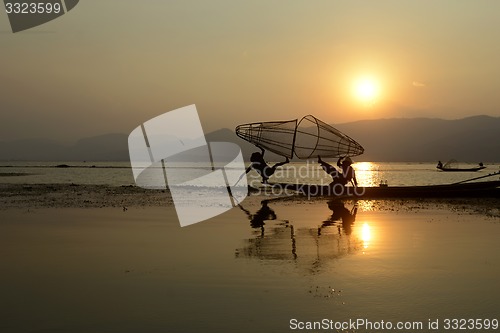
(470, 139)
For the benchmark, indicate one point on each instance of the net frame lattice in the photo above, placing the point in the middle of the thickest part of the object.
(307, 138)
(316, 138)
(451, 164)
(275, 136)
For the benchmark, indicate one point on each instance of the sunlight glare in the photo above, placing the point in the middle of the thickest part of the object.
(366, 90)
(366, 173)
(366, 235)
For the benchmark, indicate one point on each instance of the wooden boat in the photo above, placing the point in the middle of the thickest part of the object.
(466, 190)
(453, 166)
(481, 167)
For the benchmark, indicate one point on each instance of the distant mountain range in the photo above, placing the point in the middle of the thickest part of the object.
(472, 139)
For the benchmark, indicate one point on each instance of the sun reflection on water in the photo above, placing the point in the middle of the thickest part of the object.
(366, 235)
(367, 205)
(367, 173)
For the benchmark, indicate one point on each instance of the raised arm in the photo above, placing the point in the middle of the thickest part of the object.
(329, 169)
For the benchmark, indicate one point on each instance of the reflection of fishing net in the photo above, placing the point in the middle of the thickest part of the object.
(315, 138)
(310, 138)
(275, 136)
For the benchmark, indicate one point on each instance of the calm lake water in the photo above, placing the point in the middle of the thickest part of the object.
(261, 267)
(254, 269)
(119, 173)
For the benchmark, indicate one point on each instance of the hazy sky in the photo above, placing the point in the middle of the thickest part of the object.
(108, 66)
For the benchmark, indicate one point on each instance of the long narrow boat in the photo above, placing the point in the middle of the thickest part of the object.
(461, 170)
(466, 190)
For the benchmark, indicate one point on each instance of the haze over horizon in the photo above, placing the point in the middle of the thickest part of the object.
(342, 125)
(107, 67)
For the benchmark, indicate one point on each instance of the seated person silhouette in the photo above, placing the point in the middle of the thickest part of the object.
(342, 177)
(260, 165)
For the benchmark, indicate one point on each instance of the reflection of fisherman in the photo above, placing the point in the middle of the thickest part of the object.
(341, 213)
(263, 214)
(262, 167)
(347, 175)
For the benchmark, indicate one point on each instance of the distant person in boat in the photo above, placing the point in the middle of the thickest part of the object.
(440, 165)
(260, 165)
(345, 176)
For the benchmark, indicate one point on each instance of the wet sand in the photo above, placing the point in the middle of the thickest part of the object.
(252, 269)
(28, 196)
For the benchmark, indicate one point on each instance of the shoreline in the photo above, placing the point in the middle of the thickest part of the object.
(79, 196)
(29, 196)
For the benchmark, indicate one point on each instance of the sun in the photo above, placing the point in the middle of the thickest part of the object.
(366, 89)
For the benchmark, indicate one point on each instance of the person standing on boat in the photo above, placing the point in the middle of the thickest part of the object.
(345, 176)
(260, 165)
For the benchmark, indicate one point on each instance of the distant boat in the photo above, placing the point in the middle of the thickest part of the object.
(452, 166)
(459, 169)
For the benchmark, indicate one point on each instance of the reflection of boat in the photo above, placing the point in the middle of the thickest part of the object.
(452, 166)
(474, 190)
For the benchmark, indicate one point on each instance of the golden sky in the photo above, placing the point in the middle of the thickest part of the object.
(108, 66)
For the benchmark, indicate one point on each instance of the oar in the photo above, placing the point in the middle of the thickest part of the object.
(468, 180)
(243, 174)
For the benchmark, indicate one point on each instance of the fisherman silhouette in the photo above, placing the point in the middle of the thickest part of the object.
(260, 165)
(347, 175)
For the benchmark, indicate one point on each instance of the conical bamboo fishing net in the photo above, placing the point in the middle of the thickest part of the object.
(308, 138)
